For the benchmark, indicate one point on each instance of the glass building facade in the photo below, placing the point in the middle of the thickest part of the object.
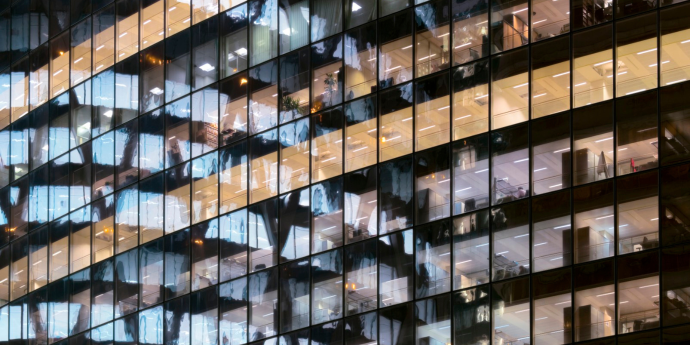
(394, 172)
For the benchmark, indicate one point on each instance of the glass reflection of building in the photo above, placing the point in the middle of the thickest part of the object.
(344, 172)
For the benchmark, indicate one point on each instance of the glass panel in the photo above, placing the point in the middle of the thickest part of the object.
(433, 38)
(396, 268)
(80, 239)
(80, 300)
(177, 330)
(552, 318)
(127, 28)
(19, 79)
(178, 74)
(396, 195)
(152, 78)
(204, 318)
(59, 249)
(550, 77)
(294, 24)
(38, 258)
(205, 55)
(471, 251)
(471, 316)
(395, 49)
(177, 275)
(294, 295)
(294, 226)
(594, 221)
(638, 212)
(327, 64)
(80, 160)
(204, 255)
(360, 205)
(551, 19)
(103, 39)
(395, 120)
(590, 13)
(552, 231)
(294, 154)
(433, 257)
(596, 55)
(126, 283)
(470, 31)
(177, 198)
(233, 313)
(204, 9)
(510, 164)
(151, 273)
(263, 33)
(294, 85)
(205, 187)
(263, 153)
(637, 140)
(593, 143)
(432, 318)
(233, 177)
(511, 240)
(433, 112)
(103, 229)
(595, 300)
(675, 268)
(675, 36)
(638, 292)
(102, 292)
(327, 215)
(470, 102)
(359, 13)
(550, 154)
(674, 188)
(396, 325)
(326, 18)
(360, 60)
(233, 105)
(471, 174)
(233, 41)
(263, 235)
(38, 75)
(509, 24)
(360, 130)
(263, 297)
(361, 277)
(177, 128)
(263, 90)
(327, 147)
(636, 52)
(233, 245)
(151, 204)
(327, 286)
(177, 16)
(510, 310)
(432, 173)
(509, 88)
(152, 22)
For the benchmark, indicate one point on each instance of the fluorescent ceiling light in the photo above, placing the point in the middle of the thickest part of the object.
(355, 7)
(206, 67)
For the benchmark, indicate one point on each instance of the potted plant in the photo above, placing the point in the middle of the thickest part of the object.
(330, 82)
(291, 106)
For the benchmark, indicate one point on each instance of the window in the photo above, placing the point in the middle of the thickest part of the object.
(551, 231)
(597, 55)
